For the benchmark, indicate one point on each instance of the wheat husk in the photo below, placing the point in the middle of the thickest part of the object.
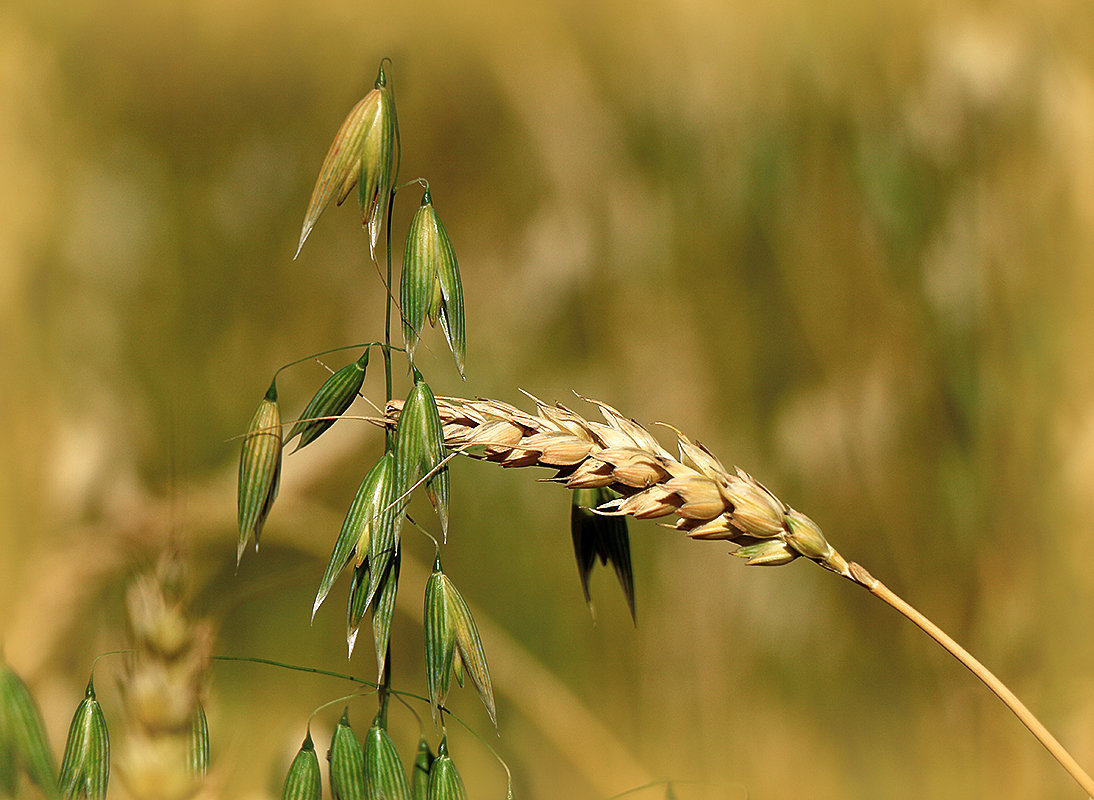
(707, 500)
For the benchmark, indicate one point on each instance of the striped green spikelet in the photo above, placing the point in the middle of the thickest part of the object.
(259, 469)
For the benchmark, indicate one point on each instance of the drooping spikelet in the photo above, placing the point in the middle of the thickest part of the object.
(708, 500)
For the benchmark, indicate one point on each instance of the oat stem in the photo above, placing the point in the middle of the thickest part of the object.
(1058, 751)
(322, 353)
(388, 393)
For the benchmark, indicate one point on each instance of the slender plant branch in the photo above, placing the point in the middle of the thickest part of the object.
(326, 672)
(95, 663)
(878, 589)
(388, 388)
(326, 353)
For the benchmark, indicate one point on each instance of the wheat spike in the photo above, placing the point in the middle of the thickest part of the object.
(708, 501)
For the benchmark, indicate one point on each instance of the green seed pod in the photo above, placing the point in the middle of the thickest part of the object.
(384, 774)
(347, 765)
(335, 395)
(600, 536)
(470, 650)
(85, 768)
(22, 737)
(365, 512)
(431, 289)
(440, 638)
(259, 469)
(445, 782)
(379, 161)
(303, 781)
(199, 743)
(419, 450)
(452, 643)
(365, 153)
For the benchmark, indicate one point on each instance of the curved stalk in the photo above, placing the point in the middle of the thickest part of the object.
(1034, 725)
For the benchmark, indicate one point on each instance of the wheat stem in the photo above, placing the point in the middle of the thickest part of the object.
(707, 500)
(1009, 698)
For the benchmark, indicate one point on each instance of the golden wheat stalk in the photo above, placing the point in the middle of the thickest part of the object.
(707, 500)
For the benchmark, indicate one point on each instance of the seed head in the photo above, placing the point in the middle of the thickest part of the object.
(431, 289)
(646, 481)
(365, 153)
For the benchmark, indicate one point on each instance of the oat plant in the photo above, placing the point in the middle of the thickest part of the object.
(365, 156)
(614, 467)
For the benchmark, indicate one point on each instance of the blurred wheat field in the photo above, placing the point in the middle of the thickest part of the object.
(848, 247)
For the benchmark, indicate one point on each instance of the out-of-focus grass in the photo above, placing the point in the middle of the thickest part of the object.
(847, 246)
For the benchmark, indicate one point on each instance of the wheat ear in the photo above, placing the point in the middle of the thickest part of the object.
(707, 500)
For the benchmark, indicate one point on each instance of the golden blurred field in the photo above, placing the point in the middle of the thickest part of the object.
(849, 246)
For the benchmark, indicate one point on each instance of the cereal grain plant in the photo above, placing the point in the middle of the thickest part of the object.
(614, 468)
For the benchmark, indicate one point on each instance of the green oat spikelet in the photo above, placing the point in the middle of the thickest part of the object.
(419, 451)
(85, 768)
(440, 639)
(376, 555)
(367, 510)
(335, 395)
(259, 469)
(445, 782)
(23, 739)
(347, 764)
(600, 536)
(365, 153)
(431, 289)
(303, 781)
(452, 643)
(385, 778)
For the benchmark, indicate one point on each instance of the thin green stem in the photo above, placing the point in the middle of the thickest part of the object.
(328, 352)
(420, 181)
(389, 392)
(385, 686)
(1040, 732)
(95, 663)
(484, 743)
(334, 702)
(296, 667)
(316, 671)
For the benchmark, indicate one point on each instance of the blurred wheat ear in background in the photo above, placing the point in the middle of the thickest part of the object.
(165, 755)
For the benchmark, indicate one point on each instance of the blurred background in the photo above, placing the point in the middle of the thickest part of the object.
(848, 246)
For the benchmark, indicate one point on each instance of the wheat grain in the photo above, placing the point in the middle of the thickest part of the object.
(708, 501)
